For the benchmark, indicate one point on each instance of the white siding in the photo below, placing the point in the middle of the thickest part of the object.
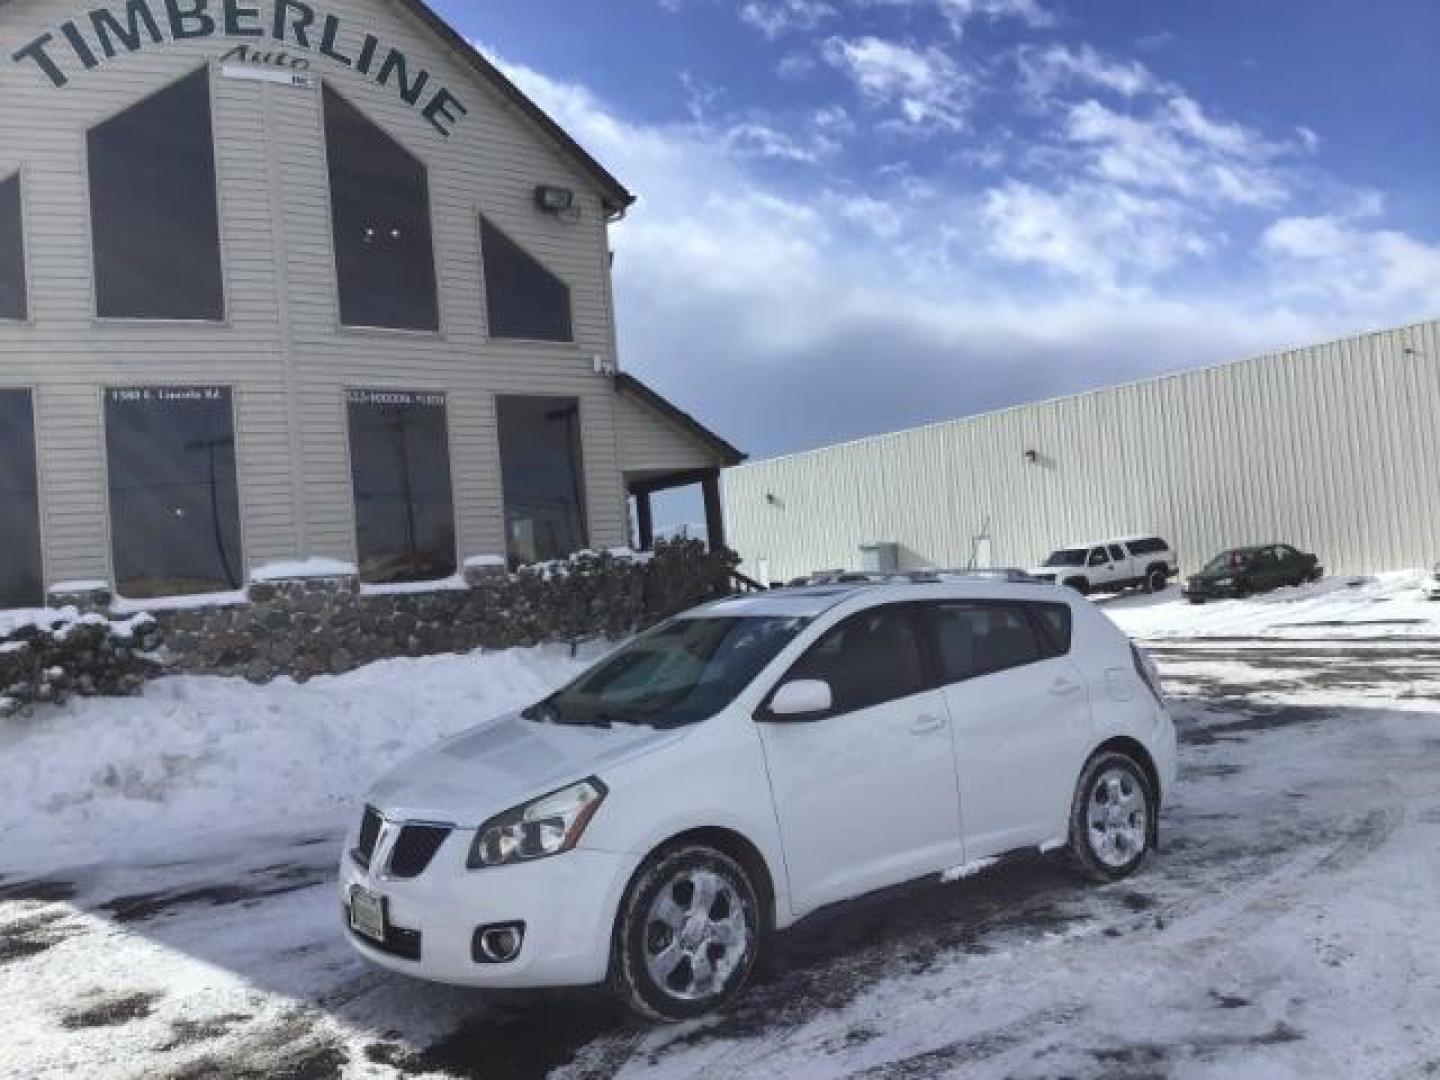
(1333, 448)
(281, 348)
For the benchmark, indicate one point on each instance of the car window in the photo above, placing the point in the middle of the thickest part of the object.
(1116, 553)
(1054, 622)
(1148, 546)
(870, 658)
(1097, 557)
(973, 639)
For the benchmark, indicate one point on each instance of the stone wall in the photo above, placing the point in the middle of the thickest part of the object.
(307, 624)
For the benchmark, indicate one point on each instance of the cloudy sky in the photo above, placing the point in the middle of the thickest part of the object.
(859, 215)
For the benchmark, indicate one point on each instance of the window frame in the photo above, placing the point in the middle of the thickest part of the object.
(234, 391)
(585, 512)
(929, 662)
(34, 391)
(411, 388)
(98, 320)
(481, 215)
(1043, 635)
(340, 326)
(22, 175)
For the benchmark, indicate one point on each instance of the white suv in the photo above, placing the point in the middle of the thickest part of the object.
(1112, 565)
(748, 762)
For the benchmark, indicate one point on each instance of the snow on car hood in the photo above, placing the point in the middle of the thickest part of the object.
(488, 769)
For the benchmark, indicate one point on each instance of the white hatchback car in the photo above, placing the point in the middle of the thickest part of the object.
(750, 761)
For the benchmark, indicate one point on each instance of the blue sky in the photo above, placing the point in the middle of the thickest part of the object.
(860, 215)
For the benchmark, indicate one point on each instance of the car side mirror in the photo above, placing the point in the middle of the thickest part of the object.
(802, 699)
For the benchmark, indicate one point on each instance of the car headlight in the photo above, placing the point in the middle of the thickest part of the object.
(545, 826)
(1224, 581)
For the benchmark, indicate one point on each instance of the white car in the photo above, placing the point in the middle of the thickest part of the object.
(1111, 565)
(748, 762)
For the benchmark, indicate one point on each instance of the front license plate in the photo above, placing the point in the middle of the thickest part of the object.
(367, 914)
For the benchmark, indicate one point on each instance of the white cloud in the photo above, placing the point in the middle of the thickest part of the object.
(1101, 235)
(1330, 259)
(1179, 150)
(1043, 71)
(924, 86)
(776, 17)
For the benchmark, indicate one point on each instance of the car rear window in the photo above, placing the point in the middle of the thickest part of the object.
(973, 638)
(1147, 546)
(1054, 621)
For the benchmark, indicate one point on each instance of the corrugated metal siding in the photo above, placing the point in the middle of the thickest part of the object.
(1333, 448)
(281, 348)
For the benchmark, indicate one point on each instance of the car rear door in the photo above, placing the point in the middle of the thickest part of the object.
(865, 795)
(1020, 713)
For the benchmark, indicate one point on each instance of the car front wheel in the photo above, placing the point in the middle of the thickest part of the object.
(688, 936)
(1112, 818)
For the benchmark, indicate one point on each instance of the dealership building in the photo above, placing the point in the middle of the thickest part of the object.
(1334, 448)
(285, 279)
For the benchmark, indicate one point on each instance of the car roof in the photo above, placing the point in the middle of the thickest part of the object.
(1115, 540)
(810, 601)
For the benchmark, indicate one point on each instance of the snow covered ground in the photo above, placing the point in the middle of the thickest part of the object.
(175, 917)
(1380, 606)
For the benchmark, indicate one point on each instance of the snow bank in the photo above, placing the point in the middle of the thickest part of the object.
(301, 569)
(1381, 606)
(197, 755)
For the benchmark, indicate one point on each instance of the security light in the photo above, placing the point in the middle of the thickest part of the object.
(554, 200)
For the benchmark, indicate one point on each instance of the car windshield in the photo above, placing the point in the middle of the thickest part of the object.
(1067, 557)
(1227, 560)
(683, 671)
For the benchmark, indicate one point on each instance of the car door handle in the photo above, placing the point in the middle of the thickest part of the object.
(1064, 687)
(925, 724)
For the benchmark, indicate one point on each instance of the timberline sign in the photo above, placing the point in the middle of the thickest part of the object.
(128, 26)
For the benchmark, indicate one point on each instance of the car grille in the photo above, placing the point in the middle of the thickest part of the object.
(369, 833)
(414, 848)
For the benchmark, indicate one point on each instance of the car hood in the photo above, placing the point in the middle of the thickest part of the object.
(490, 768)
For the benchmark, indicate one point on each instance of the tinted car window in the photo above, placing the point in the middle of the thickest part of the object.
(1054, 623)
(975, 639)
(1098, 557)
(1116, 552)
(1147, 546)
(868, 659)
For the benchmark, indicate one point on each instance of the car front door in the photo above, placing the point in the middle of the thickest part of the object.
(865, 794)
(1020, 714)
(1098, 567)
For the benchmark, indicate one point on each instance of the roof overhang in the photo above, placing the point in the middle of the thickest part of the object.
(725, 452)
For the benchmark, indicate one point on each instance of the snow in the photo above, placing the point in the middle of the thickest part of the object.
(300, 569)
(187, 602)
(1386, 605)
(485, 562)
(195, 755)
(58, 622)
(404, 588)
(189, 839)
(83, 586)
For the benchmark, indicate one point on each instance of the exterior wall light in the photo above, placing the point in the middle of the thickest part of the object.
(1032, 456)
(554, 200)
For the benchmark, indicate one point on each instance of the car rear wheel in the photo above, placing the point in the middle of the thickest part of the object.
(1156, 580)
(688, 936)
(1112, 817)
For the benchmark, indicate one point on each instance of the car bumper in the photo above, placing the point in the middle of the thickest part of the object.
(565, 903)
(1208, 592)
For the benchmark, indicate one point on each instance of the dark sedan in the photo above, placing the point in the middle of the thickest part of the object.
(1242, 571)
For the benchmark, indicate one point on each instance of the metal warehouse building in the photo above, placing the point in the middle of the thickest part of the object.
(294, 278)
(1335, 448)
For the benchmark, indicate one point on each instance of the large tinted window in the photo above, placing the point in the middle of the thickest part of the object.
(20, 584)
(542, 477)
(12, 251)
(522, 298)
(868, 659)
(174, 510)
(1148, 546)
(400, 466)
(974, 639)
(380, 212)
(153, 215)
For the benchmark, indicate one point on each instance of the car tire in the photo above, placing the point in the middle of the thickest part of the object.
(1197, 599)
(1243, 590)
(664, 912)
(1079, 584)
(1156, 579)
(1112, 818)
